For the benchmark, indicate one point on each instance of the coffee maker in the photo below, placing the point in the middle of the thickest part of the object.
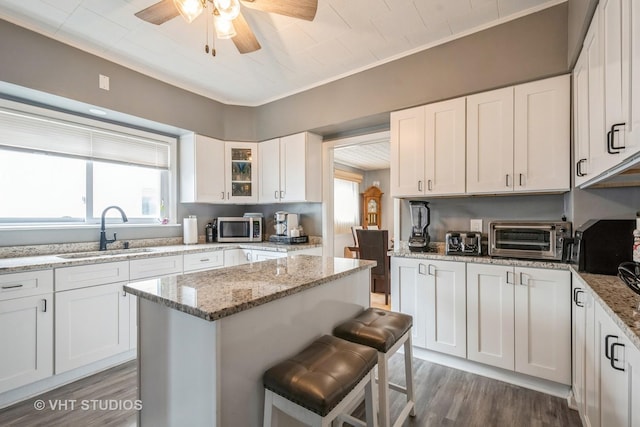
(420, 220)
(284, 223)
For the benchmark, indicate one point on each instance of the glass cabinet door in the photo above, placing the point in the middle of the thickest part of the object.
(242, 180)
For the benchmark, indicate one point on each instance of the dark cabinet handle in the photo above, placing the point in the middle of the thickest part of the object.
(607, 347)
(576, 292)
(614, 359)
(579, 167)
(611, 138)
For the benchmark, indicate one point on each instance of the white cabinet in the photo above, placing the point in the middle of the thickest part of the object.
(446, 314)
(520, 319)
(619, 374)
(257, 255)
(581, 119)
(427, 144)
(202, 170)
(155, 267)
(91, 324)
(214, 171)
(408, 284)
(291, 169)
(201, 261)
(236, 257)
(26, 328)
(82, 276)
(518, 138)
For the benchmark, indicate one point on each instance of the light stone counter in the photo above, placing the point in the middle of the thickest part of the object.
(214, 294)
(17, 259)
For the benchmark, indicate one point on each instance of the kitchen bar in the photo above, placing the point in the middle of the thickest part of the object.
(205, 339)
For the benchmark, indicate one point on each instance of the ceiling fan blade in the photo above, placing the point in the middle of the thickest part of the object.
(159, 13)
(301, 9)
(244, 39)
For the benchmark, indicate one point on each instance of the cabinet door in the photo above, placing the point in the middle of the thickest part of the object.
(446, 307)
(490, 142)
(91, 324)
(490, 315)
(155, 267)
(634, 113)
(592, 50)
(293, 168)
(445, 136)
(236, 257)
(543, 324)
(26, 334)
(407, 152)
(591, 364)
(542, 137)
(133, 321)
(616, 46)
(257, 256)
(578, 344)
(269, 184)
(582, 158)
(408, 284)
(242, 172)
(615, 398)
(202, 173)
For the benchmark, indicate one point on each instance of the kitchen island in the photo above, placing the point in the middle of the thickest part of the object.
(205, 339)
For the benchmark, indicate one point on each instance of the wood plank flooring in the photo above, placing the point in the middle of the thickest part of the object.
(444, 397)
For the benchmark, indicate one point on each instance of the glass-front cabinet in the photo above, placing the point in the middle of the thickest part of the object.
(242, 173)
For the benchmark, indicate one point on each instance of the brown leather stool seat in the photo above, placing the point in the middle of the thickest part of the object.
(321, 375)
(375, 328)
(386, 331)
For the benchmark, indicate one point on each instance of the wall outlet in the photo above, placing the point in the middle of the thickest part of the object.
(103, 82)
(476, 225)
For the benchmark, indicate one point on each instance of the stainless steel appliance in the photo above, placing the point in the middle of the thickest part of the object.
(600, 246)
(543, 240)
(239, 229)
(463, 243)
(420, 220)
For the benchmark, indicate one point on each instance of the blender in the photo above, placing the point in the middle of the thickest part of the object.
(420, 220)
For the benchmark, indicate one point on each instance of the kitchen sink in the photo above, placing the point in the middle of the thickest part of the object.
(107, 253)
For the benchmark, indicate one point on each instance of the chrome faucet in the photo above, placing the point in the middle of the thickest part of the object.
(103, 235)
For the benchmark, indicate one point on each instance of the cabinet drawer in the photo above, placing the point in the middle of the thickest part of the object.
(203, 261)
(155, 267)
(90, 275)
(28, 283)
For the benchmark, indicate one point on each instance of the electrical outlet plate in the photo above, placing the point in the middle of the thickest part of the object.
(103, 82)
(476, 225)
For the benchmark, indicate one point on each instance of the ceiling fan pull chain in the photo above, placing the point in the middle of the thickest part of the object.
(206, 45)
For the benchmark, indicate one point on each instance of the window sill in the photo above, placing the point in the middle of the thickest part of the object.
(69, 226)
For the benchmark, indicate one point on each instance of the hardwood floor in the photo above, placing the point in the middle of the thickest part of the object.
(444, 397)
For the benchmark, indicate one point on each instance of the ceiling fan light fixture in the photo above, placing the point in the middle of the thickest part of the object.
(228, 9)
(189, 9)
(224, 27)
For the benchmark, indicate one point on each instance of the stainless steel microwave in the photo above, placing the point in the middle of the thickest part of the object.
(239, 229)
(529, 239)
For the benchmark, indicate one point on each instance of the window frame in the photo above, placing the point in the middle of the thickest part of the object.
(168, 180)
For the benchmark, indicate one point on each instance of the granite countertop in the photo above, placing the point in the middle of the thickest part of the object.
(618, 300)
(31, 260)
(215, 294)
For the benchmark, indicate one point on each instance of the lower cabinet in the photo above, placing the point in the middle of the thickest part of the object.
(236, 257)
(155, 267)
(520, 319)
(90, 324)
(433, 292)
(26, 339)
(618, 373)
(257, 255)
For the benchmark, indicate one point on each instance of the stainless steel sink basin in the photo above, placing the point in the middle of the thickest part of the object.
(107, 253)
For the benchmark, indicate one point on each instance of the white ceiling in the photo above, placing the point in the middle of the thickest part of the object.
(364, 156)
(347, 36)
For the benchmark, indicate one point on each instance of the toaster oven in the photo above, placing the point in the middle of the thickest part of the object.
(540, 240)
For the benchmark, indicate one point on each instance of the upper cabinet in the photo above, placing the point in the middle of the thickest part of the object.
(291, 169)
(427, 144)
(514, 139)
(214, 171)
(607, 92)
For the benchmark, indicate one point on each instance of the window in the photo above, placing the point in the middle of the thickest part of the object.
(57, 171)
(346, 201)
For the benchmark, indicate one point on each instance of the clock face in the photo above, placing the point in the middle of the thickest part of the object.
(372, 206)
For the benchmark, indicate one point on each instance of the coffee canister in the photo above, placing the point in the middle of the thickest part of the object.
(190, 230)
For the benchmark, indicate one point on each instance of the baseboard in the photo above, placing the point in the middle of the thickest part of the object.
(522, 380)
(28, 391)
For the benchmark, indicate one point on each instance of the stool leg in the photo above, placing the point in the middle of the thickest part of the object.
(408, 372)
(383, 390)
(268, 408)
(371, 401)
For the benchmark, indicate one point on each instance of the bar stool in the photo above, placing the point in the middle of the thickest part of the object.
(317, 385)
(386, 331)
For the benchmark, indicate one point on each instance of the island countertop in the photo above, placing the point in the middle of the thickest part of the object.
(214, 294)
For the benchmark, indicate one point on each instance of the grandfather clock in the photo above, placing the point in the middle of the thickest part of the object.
(371, 207)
